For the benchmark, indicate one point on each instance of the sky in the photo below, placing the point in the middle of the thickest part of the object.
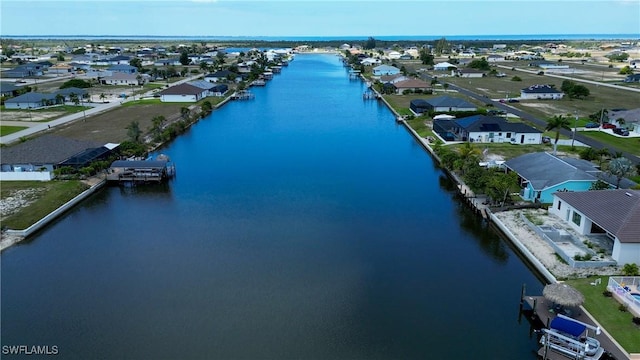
(318, 17)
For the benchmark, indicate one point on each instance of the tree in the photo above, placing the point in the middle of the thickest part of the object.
(626, 70)
(184, 58)
(185, 112)
(603, 153)
(574, 90)
(480, 64)
(79, 83)
(136, 62)
(102, 97)
(59, 99)
(425, 56)
(74, 99)
(134, 132)
(557, 123)
(599, 185)
(60, 57)
(621, 167)
(516, 78)
(442, 46)
(370, 44)
(500, 185)
(158, 123)
(206, 107)
(445, 86)
(588, 154)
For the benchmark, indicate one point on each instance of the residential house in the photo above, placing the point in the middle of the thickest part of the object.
(629, 119)
(118, 78)
(611, 213)
(381, 70)
(495, 58)
(223, 76)
(542, 174)
(22, 71)
(441, 104)
(8, 89)
(370, 62)
(393, 55)
(35, 159)
(119, 60)
(490, 129)
(123, 68)
(469, 73)
(67, 93)
(444, 66)
(182, 93)
(541, 92)
(212, 89)
(413, 85)
(168, 62)
(392, 79)
(60, 69)
(632, 78)
(30, 100)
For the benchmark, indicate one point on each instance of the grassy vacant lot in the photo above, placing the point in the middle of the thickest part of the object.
(606, 311)
(111, 125)
(6, 130)
(631, 145)
(50, 196)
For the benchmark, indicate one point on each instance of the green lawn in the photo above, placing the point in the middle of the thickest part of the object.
(54, 194)
(605, 311)
(6, 130)
(631, 145)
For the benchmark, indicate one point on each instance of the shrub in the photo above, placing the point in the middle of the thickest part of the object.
(540, 72)
(630, 270)
(607, 293)
(516, 78)
(623, 307)
(636, 320)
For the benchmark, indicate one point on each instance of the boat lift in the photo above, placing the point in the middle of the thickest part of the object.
(573, 347)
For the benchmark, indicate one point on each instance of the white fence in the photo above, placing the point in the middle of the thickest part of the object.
(623, 287)
(26, 176)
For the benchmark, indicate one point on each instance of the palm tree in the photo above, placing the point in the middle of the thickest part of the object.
(620, 168)
(184, 112)
(102, 97)
(557, 123)
(602, 154)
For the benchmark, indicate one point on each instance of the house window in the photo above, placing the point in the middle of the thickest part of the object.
(509, 135)
(559, 204)
(576, 218)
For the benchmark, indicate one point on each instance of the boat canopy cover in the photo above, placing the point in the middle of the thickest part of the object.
(567, 326)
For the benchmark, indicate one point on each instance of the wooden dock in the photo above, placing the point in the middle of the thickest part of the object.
(539, 311)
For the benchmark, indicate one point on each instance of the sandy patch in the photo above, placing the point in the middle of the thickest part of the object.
(29, 116)
(543, 251)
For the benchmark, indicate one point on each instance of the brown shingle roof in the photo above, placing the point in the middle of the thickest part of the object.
(46, 149)
(616, 211)
(182, 89)
(411, 84)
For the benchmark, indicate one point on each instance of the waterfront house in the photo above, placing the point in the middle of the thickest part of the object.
(392, 79)
(441, 104)
(411, 85)
(493, 129)
(495, 58)
(541, 92)
(385, 70)
(614, 213)
(182, 93)
(223, 76)
(35, 159)
(370, 62)
(31, 100)
(542, 174)
(212, 89)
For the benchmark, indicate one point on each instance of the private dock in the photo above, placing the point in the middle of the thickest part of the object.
(243, 95)
(131, 172)
(539, 311)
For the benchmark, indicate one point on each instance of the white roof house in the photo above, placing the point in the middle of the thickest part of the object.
(444, 66)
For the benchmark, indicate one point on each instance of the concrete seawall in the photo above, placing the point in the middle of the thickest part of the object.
(18, 235)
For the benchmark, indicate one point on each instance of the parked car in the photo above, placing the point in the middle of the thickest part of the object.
(608, 126)
(621, 131)
(592, 125)
(513, 100)
(546, 139)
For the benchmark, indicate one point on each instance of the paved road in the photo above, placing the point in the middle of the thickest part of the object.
(99, 108)
(542, 123)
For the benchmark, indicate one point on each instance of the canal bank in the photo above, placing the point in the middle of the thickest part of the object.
(267, 247)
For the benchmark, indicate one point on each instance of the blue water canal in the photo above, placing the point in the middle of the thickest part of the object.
(303, 224)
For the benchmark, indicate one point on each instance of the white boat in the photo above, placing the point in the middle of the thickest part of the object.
(570, 337)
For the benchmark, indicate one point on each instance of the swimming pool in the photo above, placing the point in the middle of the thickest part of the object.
(636, 296)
